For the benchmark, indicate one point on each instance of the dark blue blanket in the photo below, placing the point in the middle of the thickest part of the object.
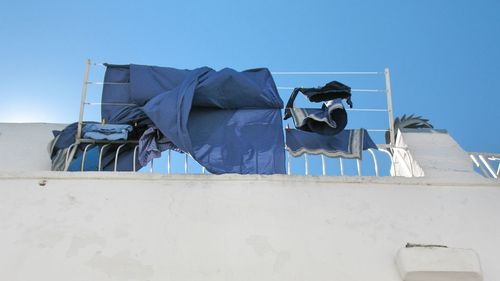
(229, 121)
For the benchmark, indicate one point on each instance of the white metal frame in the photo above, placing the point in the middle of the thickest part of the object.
(486, 160)
(389, 110)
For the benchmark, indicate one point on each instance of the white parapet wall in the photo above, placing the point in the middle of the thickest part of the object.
(23, 146)
(430, 153)
(125, 226)
(138, 226)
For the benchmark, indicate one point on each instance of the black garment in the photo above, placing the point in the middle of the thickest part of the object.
(331, 118)
(332, 90)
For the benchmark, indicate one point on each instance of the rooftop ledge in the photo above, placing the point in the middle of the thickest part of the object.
(131, 176)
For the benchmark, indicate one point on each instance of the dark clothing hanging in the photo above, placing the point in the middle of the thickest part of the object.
(331, 118)
(332, 90)
(65, 138)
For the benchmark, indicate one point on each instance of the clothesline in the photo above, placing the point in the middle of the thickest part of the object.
(306, 72)
(278, 87)
(133, 104)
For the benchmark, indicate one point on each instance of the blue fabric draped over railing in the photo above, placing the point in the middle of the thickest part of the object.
(228, 121)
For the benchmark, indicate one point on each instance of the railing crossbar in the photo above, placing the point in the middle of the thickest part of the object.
(110, 103)
(352, 90)
(326, 72)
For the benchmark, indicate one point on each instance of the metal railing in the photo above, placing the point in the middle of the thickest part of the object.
(488, 164)
(341, 161)
(384, 149)
(485, 162)
(189, 161)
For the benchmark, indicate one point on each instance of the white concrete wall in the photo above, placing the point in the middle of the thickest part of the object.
(23, 146)
(433, 154)
(150, 227)
(130, 226)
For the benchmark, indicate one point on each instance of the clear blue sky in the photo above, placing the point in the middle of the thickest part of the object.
(444, 56)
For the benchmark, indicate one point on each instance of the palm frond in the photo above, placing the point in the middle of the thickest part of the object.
(411, 121)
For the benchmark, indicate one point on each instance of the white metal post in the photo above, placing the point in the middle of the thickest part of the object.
(389, 106)
(135, 157)
(83, 157)
(478, 165)
(323, 165)
(80, 118)
(117, 155)
(487, 165)
(390, 158)
(306, 164)
(289, 163)
(69, 155)
(375, 163)
(168, 163)
(83, 100)
(100, 155)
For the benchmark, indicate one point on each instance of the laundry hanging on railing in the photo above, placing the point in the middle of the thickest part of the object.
(90, 163)
(60, 145)
(110, 132)
(328, 120)
(346, 144)
(331, 118)
(59, 150)
(332, 90)
(219, 117)
(151, 144)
